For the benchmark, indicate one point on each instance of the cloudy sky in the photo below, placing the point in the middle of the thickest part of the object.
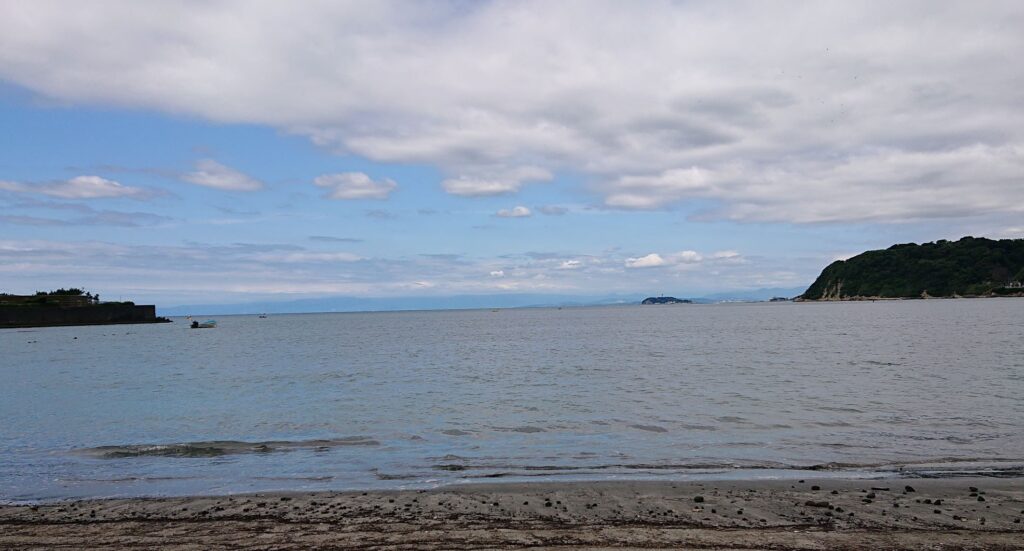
(189, 152)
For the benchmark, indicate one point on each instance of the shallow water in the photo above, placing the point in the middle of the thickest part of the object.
(418, 399)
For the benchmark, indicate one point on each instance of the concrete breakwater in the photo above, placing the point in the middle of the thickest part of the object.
(99, 314)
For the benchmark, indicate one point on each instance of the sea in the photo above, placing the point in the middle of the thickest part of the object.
(421, 399)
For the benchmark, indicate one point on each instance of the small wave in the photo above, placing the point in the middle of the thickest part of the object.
(450, 467)
(932, 438)
(456, 432)
(933, 468)
(123, 479)
(606, 467)
(841, 409)
(448, 458)
(698, 427)
(218, 448)
(525, 429)
(385, 476)
(296, 478)
(528, 474)
(848, 445)
(649, 428)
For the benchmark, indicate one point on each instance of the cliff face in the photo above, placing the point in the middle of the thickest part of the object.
(968, 267)
(101, 314)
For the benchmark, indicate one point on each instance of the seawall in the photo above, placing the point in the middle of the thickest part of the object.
(100, 314)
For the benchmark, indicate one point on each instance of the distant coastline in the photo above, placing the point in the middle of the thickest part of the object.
(666, 300)
(878, 298)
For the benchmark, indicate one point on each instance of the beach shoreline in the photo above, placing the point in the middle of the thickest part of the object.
(910, 513)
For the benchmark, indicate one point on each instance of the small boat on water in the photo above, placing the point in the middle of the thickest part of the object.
(263, 316)
(208, 324)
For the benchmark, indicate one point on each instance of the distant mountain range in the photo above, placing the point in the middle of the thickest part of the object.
(518, 300)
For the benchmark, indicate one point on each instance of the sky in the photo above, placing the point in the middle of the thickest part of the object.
(232, 151)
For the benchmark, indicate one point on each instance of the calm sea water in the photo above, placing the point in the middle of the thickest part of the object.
(419, 399)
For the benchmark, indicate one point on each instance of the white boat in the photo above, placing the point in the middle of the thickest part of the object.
(208, 324)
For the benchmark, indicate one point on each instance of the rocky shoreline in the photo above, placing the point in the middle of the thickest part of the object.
(974, 513)
(877, 298)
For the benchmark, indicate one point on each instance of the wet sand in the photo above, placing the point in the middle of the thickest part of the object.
(961, 513)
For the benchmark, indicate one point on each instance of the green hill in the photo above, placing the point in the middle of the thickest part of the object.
(972, 266)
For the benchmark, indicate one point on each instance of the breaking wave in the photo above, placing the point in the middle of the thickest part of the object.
(216, 448)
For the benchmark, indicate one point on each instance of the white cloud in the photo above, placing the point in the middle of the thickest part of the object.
(473, 187)
(884, 185)
(499, 181)
(1011, 233)
(79, 187)
(882, 112)
(652, 260)
(646, 192)
(300, 257)
(215, 274)
(355, 185)
(682, 260)
(515, 212)
(570, 265)
(687, 257)
(210, 173)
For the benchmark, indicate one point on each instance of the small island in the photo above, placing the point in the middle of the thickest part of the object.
(70, 307)
(969, 267)
(666, 300)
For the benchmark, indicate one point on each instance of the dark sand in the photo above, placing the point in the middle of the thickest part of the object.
(842, 514)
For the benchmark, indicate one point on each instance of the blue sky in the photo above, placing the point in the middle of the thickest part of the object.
(228, 152)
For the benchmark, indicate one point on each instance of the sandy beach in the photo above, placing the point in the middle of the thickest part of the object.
(962, 513)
